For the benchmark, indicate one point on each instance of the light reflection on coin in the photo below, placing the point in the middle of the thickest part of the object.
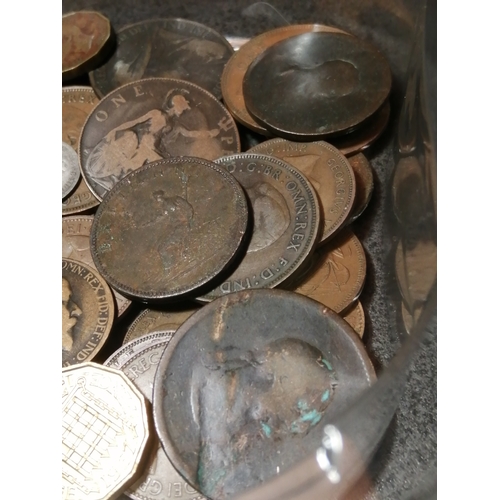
(70, 169)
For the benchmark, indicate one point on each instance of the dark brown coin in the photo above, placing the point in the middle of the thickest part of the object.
(165, 48)
(76, 246)
(168, 228)
(236, 67)
(316, 85)
(286, 221)
(87, 312)
(77, 103)
(364, 184)
(148, 120)
(247, 383)
(86, 38)
(326, 169)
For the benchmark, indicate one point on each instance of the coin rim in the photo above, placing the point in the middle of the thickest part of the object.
(74, 177)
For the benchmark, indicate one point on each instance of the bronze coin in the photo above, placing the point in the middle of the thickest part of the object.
(246, 384)
(286, 222)
(76, 246)
(236, 67)
(337, 274)
(364, 184)
(87, 312)
(326, 169)
(86, 38)
(148, 120)
(77, 103)
(165, 48)
(355, 316)
(168, 228)
(316, 85)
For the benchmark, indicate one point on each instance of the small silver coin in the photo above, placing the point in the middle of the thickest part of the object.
(70, 169)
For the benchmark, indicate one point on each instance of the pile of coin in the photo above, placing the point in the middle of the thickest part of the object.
(231, 278)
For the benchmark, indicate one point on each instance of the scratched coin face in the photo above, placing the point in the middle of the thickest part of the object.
(168, 228)
(87, 312)
(148, 120)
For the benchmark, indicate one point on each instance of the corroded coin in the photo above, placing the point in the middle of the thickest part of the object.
(165, 48)
(364, 184)
(355, 316)
(153, 320)
(260, 371)
(148, 120)
(236, 67)
(86, 38)
(104, 432)
(286, 222)
(337, 274)
(316, 85)
(77, 103)
(70, 169)
(326, 169)
(139, 360)
(76, 246)
(87, 312)
(169, 228)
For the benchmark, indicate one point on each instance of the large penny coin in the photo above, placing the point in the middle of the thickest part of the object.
(165, 48)
(236, 67)
(286, 222)
(168, 228)
(364, 184)
(87, 312)
(148, 120)
(326, 169)
(316, 85)
(260, 372)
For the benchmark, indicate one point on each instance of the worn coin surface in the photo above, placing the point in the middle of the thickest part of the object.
(76, 246)
(286, 222)
(87, 312)
(70, 169)
(104, 431)
(337, 274)
(165, 48)
(77, 103)
(86, 35)
(148, 120)
(139, 360)
(364, 184)
(276, 365)
(316, 85)
(236, 67)
(168, 228)
(326, 169)
(355, 316)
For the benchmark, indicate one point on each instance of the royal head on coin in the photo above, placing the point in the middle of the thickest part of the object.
(148, 120)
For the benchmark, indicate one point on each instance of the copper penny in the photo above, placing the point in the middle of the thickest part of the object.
(76, 246)
(148, 120)
(236, 67)
(168, 228)
(86, 38)
(87, 312)
(165, 48)
(364, 184)
(337, 274)
(246, 384)
(286, 222)
(77, 103)
(316, 85)
(326, 169)
(355, 316)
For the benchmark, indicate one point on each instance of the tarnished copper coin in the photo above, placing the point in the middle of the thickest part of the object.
(105, 432)
(286, 222)
(326, 169)
(87, 312)
(337, 274)
(165, 48)
(148, 120)
(70, 169)
(316, 85)
(236, 67)
(247, 383)
(168, 228)
(138, 360)
(364, 184)
(355, 316)
(86, 35)
(76, 246)
(77, 103)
